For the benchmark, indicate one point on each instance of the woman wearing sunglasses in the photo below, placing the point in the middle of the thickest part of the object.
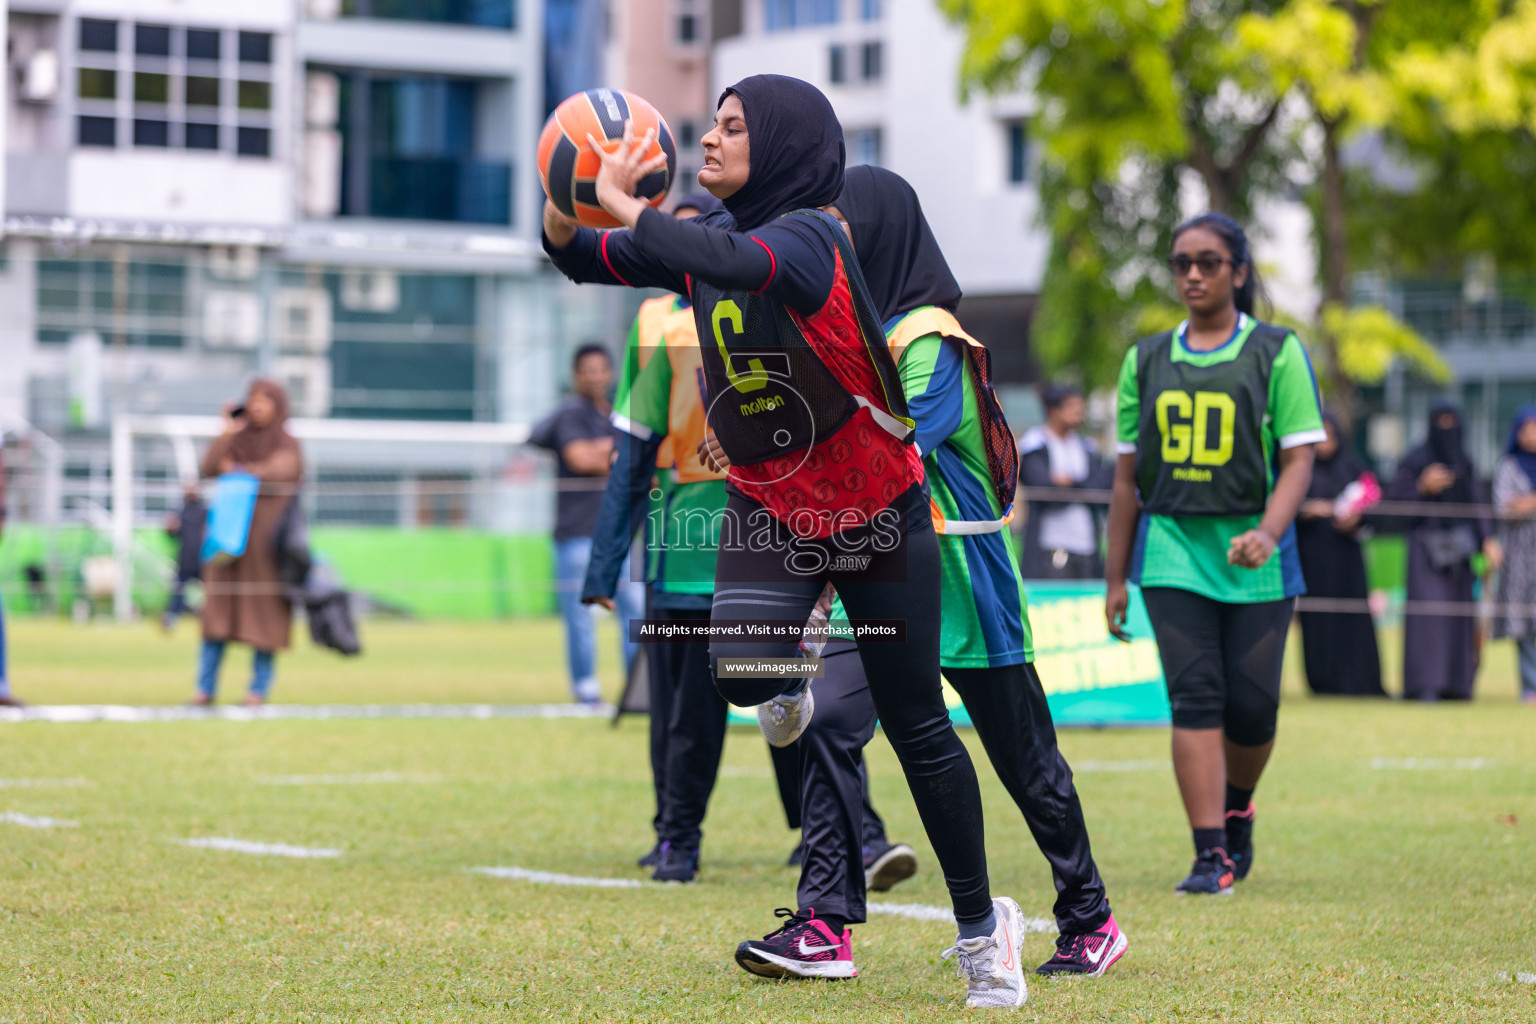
(1216, 422)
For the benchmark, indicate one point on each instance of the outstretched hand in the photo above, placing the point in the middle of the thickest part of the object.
(624, 167)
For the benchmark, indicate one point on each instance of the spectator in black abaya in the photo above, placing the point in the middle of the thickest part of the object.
(1440, 645)
(1339, 646)
(1514, 495)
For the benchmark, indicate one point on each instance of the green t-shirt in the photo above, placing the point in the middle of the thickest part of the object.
(686, 515)
(984, 614)
(1190, 552)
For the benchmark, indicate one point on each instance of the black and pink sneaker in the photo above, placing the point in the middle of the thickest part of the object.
(1240, 841)
(803, 948)
(1087, 954)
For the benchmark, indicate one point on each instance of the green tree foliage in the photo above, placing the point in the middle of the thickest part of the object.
(1258, 98)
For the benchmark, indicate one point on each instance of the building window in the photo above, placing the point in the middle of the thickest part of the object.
(255, 47)
(202, 136)
(687, 135)
(254, 142)
(147, 132)
(254, 95)
(202, 44)
(689, 22)
(864, 146)
(97, 131)
(412, 149)
(1018, 150)
(98, 36)
(150, 87)
(870, 10)
(132, 303)
(837, 64)
(871, 62)
(152, 40)
(97, 84)
(179, 78)
(484, 13)
(201, 91)
(788, 14)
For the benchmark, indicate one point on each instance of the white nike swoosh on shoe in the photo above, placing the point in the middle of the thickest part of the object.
(813, 950)
(1094, 958)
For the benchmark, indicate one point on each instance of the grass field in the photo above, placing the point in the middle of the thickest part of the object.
(1381, 893)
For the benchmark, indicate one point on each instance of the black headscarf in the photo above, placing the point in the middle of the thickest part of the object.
(701, 201)
(1331, 475)
(796, 146)
(1524, 459)
(1443, 445)
(901, 260)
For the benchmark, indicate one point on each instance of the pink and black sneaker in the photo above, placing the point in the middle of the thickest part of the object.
(803, 948)
(1086, 954)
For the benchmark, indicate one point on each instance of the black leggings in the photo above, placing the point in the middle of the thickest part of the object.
(1013, 721)
(900, 581)
(1222, 661)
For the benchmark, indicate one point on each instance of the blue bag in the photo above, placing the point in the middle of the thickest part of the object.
(229, 518)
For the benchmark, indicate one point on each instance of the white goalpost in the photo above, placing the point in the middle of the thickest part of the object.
(482, 469)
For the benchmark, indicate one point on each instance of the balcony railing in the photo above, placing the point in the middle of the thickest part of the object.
(482, 13)
(1445, 314)
(469, 191)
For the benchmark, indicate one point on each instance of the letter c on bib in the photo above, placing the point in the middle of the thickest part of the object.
(756, 378)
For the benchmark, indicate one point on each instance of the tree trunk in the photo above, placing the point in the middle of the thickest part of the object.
(1335, 267)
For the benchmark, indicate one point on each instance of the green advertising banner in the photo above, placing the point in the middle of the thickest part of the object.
(1090, 678)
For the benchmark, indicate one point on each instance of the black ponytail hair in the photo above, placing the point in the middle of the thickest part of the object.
(1251, 294)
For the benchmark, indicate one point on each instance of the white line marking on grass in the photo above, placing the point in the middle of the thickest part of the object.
(1523, 977)
(1432, 764)
(357, 779)
(42, 783)
(925, 912)
(233, 845)
(232, 713)
(555, 878)
(1120, 766)
(27, 821)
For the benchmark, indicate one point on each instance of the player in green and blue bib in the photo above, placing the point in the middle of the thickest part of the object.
(1217, 420)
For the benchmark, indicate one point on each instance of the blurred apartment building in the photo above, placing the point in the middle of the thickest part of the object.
(338, 193)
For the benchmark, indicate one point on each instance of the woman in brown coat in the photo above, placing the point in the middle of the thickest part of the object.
(244, 599)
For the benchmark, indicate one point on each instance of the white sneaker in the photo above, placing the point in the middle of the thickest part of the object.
(784, 718)
(990, 965)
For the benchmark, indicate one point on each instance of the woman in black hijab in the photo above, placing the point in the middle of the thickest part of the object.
(1440, 645)
(1339, 646)
(809, 416)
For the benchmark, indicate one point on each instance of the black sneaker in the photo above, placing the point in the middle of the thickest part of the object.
(651, 859)
(804, 947)
(1086, 954)
(796, 856)
(677, 864)
(886, 864)
(1212, 874)
(1240, 840)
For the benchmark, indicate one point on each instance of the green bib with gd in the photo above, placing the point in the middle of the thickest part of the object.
(1201, 432)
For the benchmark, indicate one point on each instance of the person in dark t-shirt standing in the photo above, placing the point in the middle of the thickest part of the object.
(579, 434)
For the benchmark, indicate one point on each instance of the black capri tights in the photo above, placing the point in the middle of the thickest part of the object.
(1222, 661)
(895, 576)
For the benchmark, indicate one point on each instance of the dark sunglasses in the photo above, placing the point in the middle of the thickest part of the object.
(1208, 264)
